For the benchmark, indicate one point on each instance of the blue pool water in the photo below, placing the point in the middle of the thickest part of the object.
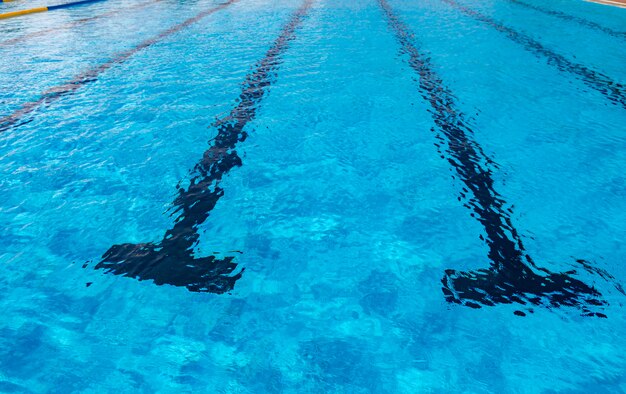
(374, 192)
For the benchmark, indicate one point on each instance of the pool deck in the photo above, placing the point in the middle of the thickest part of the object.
(616, 3)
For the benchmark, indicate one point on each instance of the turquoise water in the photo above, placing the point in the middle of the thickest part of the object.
(345, 208)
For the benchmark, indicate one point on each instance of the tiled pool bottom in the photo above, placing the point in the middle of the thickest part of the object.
(336, 181)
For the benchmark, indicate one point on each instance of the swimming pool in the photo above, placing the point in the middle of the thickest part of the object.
(313, 196)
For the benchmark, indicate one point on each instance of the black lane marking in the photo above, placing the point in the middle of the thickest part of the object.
(171, 261)
(615, 92)
(572, 18)
(20, 116)
(512, 276)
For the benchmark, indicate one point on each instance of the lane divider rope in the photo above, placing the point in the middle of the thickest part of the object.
(13, 14)
(78, 22)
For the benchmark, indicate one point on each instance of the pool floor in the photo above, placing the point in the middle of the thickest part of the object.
(350, 196)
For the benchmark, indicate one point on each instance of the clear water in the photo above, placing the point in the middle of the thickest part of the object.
(343, 209)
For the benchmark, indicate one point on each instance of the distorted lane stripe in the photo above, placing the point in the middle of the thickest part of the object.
(513, 276)
(614, 91)
(581, 21)
(171, 260)
(21, 115)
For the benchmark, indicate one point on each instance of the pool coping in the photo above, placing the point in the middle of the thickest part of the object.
(615, 3)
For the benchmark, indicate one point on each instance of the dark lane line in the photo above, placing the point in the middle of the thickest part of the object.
(171, 261)
(78, 22)
(20, 116)
(614, 91)
(512, 276)
(572, 18)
